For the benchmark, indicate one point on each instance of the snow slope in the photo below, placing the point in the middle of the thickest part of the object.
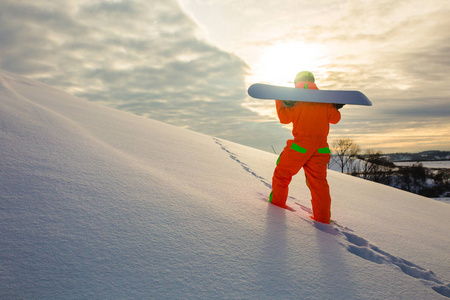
(97, 203)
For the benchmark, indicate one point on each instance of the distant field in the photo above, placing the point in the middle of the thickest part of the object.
(443, 164)
(445, 200)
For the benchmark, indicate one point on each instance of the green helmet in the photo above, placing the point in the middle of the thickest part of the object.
(304, 76)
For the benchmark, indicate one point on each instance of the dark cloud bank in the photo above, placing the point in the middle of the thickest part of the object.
(146, 57)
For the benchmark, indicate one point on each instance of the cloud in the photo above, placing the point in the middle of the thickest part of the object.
(146, 57)
(397, 54)
(152, 59)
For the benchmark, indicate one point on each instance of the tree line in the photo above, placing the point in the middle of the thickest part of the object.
(375, 166)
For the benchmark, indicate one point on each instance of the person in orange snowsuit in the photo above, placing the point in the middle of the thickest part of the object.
(309, 149)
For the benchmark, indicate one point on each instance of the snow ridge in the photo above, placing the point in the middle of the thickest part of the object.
(355, 244)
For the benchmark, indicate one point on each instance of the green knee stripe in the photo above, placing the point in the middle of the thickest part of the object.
(270, 197)
(298, 148)
(325, 150)
(278, 160)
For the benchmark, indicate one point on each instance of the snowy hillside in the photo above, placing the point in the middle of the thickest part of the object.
(97, 203)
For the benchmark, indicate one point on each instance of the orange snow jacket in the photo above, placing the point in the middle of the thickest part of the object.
(311, 120)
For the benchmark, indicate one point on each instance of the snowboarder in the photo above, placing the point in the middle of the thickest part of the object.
(309, 149)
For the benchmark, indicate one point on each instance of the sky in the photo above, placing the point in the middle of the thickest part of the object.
(190, 62)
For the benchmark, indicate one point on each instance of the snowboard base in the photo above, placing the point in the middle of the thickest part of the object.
(267, 91)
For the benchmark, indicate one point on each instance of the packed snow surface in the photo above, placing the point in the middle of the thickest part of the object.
(96, 203)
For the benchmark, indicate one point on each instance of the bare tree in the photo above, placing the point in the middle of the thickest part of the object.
(375, 167)
(346, 151)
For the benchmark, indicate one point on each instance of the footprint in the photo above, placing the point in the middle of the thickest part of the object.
(362, 248)
(354, 239)
(367, 254)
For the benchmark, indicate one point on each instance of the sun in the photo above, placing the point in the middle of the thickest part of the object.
(279, 63)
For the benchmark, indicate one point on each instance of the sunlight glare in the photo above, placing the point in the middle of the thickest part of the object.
(278, 64)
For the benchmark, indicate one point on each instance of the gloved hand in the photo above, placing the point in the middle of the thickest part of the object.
(338, 106)
(287, 103)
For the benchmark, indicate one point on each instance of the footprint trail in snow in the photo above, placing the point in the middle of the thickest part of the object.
(358, 245)
(243, 165)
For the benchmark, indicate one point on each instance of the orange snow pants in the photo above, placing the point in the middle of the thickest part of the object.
(313, 156)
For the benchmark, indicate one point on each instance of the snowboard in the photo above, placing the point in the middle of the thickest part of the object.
(267, 91)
